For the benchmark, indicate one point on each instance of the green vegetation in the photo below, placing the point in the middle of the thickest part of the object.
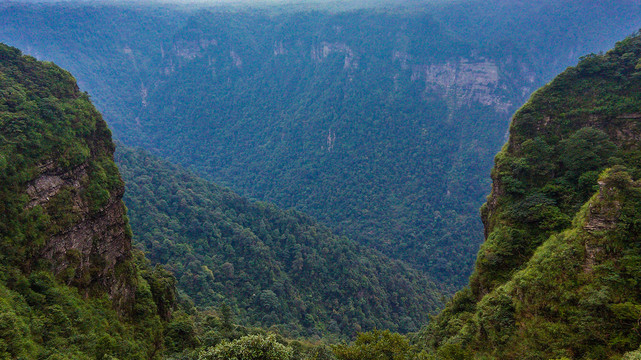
(251, 347)
(306, 132)
(47, 125)
(329, 112)
(43, 318)
(557, 276)
(375, 345)
(273, 267)
(60, 313)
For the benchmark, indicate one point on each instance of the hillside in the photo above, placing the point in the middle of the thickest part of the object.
(557, 276)
(275, 268)
(380, 123)
(70, 285)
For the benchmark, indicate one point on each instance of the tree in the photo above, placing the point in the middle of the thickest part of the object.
(251, 347)
(375, 345)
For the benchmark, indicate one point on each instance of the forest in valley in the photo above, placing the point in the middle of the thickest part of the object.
(380, 122)
(447, 180)
(278, 269)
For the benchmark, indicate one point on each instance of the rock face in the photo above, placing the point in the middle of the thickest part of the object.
(326, 49)
(96, 243)
(61, 194)
(466, 81)
(602, 216)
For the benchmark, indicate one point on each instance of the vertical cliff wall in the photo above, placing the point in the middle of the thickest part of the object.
(60, 190)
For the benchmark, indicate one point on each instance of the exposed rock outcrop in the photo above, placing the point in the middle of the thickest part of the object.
(61, 193)
(464, 80)
(92, 248)
(326, 49)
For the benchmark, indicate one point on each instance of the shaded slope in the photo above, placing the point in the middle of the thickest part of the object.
(273, 267)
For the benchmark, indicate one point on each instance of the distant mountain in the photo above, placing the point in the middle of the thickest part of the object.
(558, 274)
(380, 123)
(275, 268)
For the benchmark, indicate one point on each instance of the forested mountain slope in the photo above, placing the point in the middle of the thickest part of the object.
(273, 267)
(70, 285)
(558, 273)
(381, 123)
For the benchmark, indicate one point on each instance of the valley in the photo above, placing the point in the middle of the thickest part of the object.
(304, 182)
(380, 122)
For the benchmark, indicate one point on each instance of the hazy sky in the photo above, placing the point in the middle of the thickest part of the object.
(287, 5)
(350, 3)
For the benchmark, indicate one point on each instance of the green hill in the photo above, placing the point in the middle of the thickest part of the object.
(273, 267)
(70, 285)
(558, 274)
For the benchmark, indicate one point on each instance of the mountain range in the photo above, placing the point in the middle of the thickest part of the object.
(381, 123)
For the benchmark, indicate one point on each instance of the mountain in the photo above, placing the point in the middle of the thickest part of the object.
(275, 268)
(381, 123)
(558, 273)
(70, 284)
(556, 278)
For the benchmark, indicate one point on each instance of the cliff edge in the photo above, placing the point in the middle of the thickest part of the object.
(61, 192)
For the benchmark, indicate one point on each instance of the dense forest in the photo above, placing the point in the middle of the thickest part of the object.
(58, 174)
(381, 123)
(558, 274)
(301, 108)
(273, 268)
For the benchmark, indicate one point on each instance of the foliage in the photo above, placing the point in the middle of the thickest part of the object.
(45, 121)
(574, 123)
(556, 278)
(251, 347)
(375, 345)
(211, 335)
(41, 316)
(44, 319)
(546, 287)
(47, 124)
(329, 112)
(273, 267)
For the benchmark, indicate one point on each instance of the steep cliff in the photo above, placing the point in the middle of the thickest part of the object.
(584, 121)
(59, 180)
(557, 275)
(69, 283)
